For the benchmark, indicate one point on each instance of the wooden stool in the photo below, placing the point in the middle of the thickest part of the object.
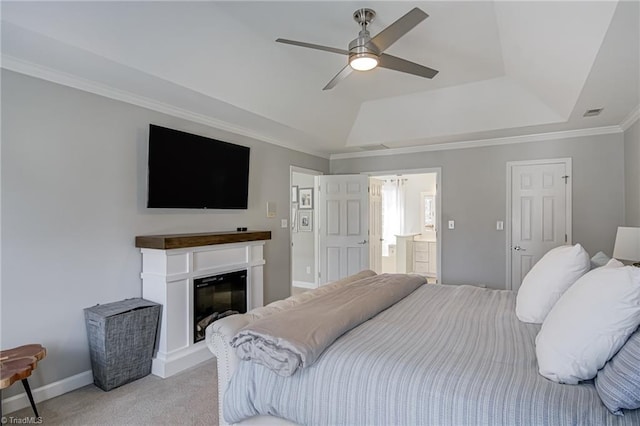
(17, 364)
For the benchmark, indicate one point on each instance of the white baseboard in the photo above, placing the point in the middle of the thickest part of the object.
(304, 284)
(166, 365)
(45, 392)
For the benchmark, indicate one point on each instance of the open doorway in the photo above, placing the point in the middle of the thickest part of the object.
(413, 247)
(410, 213)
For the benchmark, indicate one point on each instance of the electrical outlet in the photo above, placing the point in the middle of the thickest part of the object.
(308, 269)
(452, 224)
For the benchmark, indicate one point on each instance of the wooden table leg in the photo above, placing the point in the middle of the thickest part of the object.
(25, 383)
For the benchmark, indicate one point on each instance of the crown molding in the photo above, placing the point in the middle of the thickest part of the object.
(55, 76)
(633, 116)
(539, 137)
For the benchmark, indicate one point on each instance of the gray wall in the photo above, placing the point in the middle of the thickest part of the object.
(474, 195)
(73, 199)
(304, 243)
(632, 174)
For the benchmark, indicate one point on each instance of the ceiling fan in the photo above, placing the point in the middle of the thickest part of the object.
(366, 53)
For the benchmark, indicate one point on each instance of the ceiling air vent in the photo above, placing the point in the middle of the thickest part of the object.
(593, 112)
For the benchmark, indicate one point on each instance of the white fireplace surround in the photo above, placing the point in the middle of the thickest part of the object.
(167, 278)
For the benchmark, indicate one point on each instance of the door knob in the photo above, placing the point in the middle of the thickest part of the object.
(518, 248)
(363, 242)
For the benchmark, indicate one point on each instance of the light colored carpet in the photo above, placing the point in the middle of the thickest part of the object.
(188, 398)
(297, 290)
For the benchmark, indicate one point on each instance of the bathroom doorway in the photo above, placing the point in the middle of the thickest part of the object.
(410, 218)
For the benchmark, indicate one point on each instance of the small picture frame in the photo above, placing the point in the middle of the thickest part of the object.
(305, 221)
(294, 194)
(305, 198)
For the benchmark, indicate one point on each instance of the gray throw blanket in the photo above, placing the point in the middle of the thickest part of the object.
(295, 338)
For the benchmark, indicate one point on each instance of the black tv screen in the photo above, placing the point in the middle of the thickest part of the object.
(194, 172)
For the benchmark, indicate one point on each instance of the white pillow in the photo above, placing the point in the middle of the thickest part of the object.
(613, 263)
(588, 325)
(548, 280)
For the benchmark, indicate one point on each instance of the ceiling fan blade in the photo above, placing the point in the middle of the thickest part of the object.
(339, 77)
(313, 46)
(402, 65)
(403, 25)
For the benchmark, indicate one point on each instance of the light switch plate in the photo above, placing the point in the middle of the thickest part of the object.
(283, 223)
(452, 224)
(499, 225)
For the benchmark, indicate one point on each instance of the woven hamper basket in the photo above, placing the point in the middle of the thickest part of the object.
(122, 340)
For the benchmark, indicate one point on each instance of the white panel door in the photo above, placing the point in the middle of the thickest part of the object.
(540, 214)
(375, 225)
(343, 226)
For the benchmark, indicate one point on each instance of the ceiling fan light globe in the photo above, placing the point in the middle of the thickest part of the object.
(363, 62)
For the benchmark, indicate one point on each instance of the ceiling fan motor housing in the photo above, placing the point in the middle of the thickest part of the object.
(361, 46)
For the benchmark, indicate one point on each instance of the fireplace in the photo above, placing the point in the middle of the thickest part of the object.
(171, 263)
(216, 297)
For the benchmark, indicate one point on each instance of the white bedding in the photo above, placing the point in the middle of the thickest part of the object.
(443, 355)
(294, 338)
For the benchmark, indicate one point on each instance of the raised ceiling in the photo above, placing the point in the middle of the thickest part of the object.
(506, 68)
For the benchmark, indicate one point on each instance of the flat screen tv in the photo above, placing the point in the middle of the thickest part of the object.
(194, 172)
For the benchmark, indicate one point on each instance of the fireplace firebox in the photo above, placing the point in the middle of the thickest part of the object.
(216, 297)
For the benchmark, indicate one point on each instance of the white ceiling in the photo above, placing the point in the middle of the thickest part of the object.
(506, 68)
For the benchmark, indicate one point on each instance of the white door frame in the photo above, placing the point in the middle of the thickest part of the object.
(438, 172)
(312, 172)
(375, 224)
(568, 217)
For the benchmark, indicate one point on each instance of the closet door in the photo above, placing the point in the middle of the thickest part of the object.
(540, 213)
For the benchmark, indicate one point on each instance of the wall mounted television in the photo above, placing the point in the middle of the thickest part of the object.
(195, 172)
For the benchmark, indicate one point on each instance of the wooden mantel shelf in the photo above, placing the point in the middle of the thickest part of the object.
(175, 241)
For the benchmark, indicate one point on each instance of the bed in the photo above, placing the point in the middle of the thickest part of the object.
(443, 355)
